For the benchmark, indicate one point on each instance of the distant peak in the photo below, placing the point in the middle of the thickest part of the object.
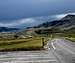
(69, 16)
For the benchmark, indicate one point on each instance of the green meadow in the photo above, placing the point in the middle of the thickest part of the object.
(70, 37)
(34, 43)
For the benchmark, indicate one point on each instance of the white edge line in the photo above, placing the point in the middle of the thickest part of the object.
(53, 45)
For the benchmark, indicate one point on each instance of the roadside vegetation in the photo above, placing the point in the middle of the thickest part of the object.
(70, 37)
(31, 39)
(29, 43)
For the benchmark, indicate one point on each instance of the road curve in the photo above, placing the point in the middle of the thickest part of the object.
(63, 49)
(58, 51)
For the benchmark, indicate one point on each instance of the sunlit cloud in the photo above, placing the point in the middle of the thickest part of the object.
(26, 21)
(33, 21)
(17, 22)
(60, 16)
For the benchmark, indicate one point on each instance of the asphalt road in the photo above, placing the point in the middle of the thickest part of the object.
(63, 49)
(28, 57)
(58, 51)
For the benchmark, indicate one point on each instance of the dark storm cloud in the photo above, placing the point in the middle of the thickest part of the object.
(12, 10)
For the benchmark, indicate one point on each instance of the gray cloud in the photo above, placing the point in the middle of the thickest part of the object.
(17, 9)
(15, 12)
(34, 20)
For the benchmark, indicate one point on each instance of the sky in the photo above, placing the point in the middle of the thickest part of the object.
(25, 13)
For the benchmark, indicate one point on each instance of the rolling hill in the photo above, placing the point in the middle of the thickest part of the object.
(65, 24)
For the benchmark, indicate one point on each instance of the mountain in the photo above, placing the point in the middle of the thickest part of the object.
(65, 23)
(6, 29)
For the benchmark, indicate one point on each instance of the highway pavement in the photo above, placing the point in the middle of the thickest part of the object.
(63, 49)
(58, 50)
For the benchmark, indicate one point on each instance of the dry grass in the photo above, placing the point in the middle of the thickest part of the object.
(22, 44)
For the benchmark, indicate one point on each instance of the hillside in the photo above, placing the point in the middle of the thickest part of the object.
(63, 25)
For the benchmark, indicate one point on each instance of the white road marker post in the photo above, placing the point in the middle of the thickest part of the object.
(52, 42)
(53, 46)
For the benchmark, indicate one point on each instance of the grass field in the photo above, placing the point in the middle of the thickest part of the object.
(70, 37)
(34, 43)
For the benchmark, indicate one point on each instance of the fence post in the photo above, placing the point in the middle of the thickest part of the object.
(42, 42)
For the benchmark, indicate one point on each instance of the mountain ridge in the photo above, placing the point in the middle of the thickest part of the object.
(64, 23)
(7, 29)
